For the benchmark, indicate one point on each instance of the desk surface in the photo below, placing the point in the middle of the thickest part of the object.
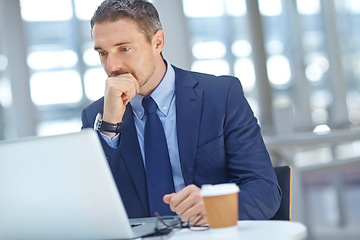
(249, 230)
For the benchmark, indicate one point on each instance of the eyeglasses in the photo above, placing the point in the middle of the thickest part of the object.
(175, 223)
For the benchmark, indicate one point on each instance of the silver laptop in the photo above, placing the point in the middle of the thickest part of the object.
(61, 187)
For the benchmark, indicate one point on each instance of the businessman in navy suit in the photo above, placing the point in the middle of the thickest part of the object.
(211, 132)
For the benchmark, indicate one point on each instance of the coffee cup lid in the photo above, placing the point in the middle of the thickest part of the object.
(218, 189)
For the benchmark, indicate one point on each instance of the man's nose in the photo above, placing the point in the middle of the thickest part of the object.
(114, 63)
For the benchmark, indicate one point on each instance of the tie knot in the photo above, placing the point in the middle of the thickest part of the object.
(149, 105)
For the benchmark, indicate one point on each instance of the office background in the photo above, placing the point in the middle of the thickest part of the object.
(298, 61)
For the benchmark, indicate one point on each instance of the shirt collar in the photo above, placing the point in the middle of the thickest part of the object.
(162, 95)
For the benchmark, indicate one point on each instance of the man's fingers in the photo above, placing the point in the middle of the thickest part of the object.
(193, 212)
(178, 198)
(168, 197)
(198, 220)
(119, 90)
(188, 203)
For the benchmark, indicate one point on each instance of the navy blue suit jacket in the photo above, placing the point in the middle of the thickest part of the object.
(219, 141)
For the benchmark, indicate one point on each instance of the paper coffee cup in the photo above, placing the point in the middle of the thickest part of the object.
(221, 204)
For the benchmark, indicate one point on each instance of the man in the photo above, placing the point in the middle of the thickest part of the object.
(211, 133)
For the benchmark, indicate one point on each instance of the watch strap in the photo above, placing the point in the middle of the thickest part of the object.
(101, 125)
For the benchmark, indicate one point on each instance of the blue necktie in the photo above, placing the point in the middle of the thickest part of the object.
(157, 160)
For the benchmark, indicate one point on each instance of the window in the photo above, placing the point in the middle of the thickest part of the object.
(65, 72)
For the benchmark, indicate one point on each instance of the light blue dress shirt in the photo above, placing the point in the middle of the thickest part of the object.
(164, 96)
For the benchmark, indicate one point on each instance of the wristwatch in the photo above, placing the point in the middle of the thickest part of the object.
(101, 125)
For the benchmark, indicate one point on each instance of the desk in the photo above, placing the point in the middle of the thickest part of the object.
(249, 230)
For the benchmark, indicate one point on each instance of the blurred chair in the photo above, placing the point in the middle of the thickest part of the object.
(284, 177)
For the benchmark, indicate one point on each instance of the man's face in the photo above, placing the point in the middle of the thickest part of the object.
(123, 48)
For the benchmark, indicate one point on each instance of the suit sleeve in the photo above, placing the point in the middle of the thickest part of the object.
(249, 164)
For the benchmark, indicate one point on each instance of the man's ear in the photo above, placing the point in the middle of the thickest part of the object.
(158, 40)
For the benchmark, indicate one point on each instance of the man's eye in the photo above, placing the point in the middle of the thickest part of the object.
(125, 49)
(102, 54)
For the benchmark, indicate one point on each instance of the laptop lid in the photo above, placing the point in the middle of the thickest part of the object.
(60, 187)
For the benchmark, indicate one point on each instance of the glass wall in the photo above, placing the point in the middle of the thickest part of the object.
(219, 41)
(5, 91)
(348, 19)
(65, 72)
(299, 55)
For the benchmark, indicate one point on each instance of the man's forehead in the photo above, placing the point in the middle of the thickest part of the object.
(114, 33)
(117, 23)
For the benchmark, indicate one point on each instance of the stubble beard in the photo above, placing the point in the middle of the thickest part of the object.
(147, 80)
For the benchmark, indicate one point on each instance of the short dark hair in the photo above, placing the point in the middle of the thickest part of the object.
(142, 12)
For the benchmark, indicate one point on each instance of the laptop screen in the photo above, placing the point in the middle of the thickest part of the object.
(59, 187)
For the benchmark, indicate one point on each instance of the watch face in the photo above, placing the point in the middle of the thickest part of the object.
(98, 121)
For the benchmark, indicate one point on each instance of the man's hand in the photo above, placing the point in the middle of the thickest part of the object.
(188, 203)
(119, 90)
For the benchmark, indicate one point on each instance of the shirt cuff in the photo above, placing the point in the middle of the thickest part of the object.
(112, 142)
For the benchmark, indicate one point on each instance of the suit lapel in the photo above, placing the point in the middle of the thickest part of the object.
(188, 113)
(132, 155)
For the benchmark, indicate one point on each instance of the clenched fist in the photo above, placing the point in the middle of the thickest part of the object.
(119, 90)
